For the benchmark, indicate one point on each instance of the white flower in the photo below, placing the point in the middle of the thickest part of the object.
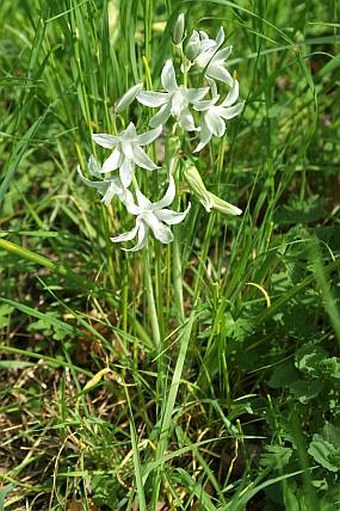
(205, 53)
(127, 151)
(214, 116)
(174, 101)
(152, 216)
(108, 188)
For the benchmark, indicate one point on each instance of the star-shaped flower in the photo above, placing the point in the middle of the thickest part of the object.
(127, 151)
(207, 55)
(174, 101)
(108, 188)
(152, 216)
(214, 116)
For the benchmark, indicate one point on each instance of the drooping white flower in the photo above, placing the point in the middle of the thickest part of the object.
(154, 216)
(174, 101)
(208, 199)
(108, 188)
(207, 55)
(214, 116)
(127, 151)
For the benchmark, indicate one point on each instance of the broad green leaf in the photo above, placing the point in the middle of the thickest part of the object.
(325, 453)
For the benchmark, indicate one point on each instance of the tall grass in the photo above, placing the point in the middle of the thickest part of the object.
(122, 387)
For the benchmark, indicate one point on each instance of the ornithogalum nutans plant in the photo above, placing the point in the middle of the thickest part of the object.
(179, 109)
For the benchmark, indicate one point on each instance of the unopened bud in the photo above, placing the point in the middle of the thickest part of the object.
(179, 29)
(208, 199)
(193, 47)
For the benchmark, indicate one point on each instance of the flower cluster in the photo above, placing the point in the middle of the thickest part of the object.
(202, 111)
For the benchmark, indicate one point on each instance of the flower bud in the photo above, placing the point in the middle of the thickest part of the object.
(193, 47)
(178, 29)
(128, 98)
(208, 199)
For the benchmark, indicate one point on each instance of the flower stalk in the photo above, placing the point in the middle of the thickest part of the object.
(156, 332)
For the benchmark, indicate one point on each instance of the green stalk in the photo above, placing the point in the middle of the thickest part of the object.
(148, 10)
(178, 278)
(159, 289)
(204, 254)
(176, 253)
(151, 298)
(155, 324)
(166, 424)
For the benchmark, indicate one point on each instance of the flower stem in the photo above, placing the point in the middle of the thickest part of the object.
(151, 298)
(176, 254)
(178, 282)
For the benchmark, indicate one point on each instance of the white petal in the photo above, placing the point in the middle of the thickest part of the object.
(178, 102)
(161, 116)
(205, 57)
(149, 136)
(232, 96)
(220, 37)
(104, 140)
(142, 237)
(143, 202)
(153, 99)
(213, 88)
(201, 106)
(172, 217)
(186, 120)
(142, 159)
(168, 77)
(126, 172)
(128, 97)
(232, 111)
(129, 203)
(130, 133)
(196, 94)
(218, 72)
(168, 196)
(207, 44)
(127, 149)
(222, 55)
(100, 186)
(126, 236)
(205, 137)
(204, 36)
(93, 166)
(112, 162)
(111, 191)
(161, 232)
(215, 124)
